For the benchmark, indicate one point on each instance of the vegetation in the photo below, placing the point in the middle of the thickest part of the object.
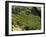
(26, 18)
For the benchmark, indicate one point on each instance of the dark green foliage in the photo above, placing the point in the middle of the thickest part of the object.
(27, 18)
(35, 11)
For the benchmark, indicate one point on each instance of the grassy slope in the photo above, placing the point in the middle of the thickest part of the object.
(22, 21)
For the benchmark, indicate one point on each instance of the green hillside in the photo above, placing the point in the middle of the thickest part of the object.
(25, 18)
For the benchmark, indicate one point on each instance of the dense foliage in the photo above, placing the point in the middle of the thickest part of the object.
(25, 18)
